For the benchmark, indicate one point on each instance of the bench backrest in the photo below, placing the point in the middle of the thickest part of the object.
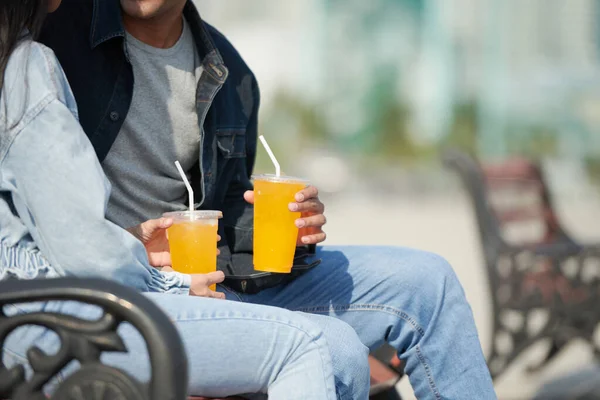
(520, 200)
(512, 201)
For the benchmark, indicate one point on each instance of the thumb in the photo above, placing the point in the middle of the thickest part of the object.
(151, 226)
(213, 278)
(147, 227)
(167, 269)
(249, 196)
(165, 223)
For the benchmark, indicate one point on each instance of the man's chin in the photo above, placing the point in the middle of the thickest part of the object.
(141, 9)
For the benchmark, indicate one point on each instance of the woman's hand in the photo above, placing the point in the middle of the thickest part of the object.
(153, 234)
(201, 283)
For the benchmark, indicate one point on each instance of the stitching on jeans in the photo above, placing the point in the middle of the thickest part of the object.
(366, 307)
(391, 310)
(432, 385)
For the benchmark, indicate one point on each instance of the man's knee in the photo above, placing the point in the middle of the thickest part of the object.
(413, 268)
(432, 268)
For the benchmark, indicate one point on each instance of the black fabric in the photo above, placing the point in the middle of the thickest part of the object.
(241, 276)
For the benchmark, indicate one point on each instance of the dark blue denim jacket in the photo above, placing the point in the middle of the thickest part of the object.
(88, 38)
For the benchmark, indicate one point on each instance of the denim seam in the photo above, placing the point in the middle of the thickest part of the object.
(238, 317)
(432, 385)
(366, 307)
(29, 116)
(390, 310)
(50, 67)
(255, 318)
(110, 36)
(33, 112)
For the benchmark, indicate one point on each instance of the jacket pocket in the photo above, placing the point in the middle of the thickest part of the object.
(232, 142)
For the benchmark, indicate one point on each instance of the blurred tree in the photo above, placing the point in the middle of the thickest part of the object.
(592, 166)
(532, 141)
(464, 129)
(305, 121)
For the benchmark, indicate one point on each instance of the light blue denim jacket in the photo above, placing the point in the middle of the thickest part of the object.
(53, 192)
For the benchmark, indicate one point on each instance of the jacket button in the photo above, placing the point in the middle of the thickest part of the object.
(114, 116)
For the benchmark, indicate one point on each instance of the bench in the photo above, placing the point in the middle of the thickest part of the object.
(544, 285)
(85, 341)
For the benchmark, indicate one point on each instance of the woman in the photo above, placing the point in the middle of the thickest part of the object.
(53, 197)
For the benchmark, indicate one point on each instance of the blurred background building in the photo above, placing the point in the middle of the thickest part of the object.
(360, 97)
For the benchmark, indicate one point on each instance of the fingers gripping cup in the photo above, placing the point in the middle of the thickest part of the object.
(275, 232)
(193, 241)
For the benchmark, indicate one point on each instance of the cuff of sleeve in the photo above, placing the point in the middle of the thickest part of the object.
(187, 283)
(172, 283)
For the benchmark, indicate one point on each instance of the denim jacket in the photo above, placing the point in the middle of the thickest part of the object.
(53, 192)
(88, 39)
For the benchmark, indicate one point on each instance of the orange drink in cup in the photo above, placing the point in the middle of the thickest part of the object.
(275, 232)
(193, 241)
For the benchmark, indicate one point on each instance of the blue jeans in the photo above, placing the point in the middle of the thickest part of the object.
(408, 298)
(232, 348)
(579, 385)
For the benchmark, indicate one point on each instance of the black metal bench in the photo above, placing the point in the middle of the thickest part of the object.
(544, 286)
(84, 341)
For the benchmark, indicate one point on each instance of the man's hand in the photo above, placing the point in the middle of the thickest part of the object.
(153, 234)
(312, 220)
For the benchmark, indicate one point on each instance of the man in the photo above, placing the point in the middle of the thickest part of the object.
(147, 97)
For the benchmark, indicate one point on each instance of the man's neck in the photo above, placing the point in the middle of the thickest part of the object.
(161, 32)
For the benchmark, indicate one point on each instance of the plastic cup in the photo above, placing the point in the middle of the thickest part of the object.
(193, 241)
(275, 232)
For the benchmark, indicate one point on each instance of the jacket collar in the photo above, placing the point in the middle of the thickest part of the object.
(107, 24)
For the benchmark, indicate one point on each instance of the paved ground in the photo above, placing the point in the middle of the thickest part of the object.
(445, 225)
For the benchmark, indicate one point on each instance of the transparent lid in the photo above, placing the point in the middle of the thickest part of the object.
(196, 215)
(282, 178)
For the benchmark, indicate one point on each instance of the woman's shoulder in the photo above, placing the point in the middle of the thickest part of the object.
(33, 79)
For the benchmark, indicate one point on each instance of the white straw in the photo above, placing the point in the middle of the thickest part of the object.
(187, 185)
(270, 152)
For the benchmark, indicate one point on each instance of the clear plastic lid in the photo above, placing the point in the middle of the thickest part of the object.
(281, 179)
(197, 215)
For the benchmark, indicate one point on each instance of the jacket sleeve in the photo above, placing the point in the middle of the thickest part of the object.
(61, 194)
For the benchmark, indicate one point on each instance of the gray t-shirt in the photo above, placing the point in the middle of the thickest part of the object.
(160, 128)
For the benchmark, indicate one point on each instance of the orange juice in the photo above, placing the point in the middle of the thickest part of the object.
(275, 232)
(193, 241)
